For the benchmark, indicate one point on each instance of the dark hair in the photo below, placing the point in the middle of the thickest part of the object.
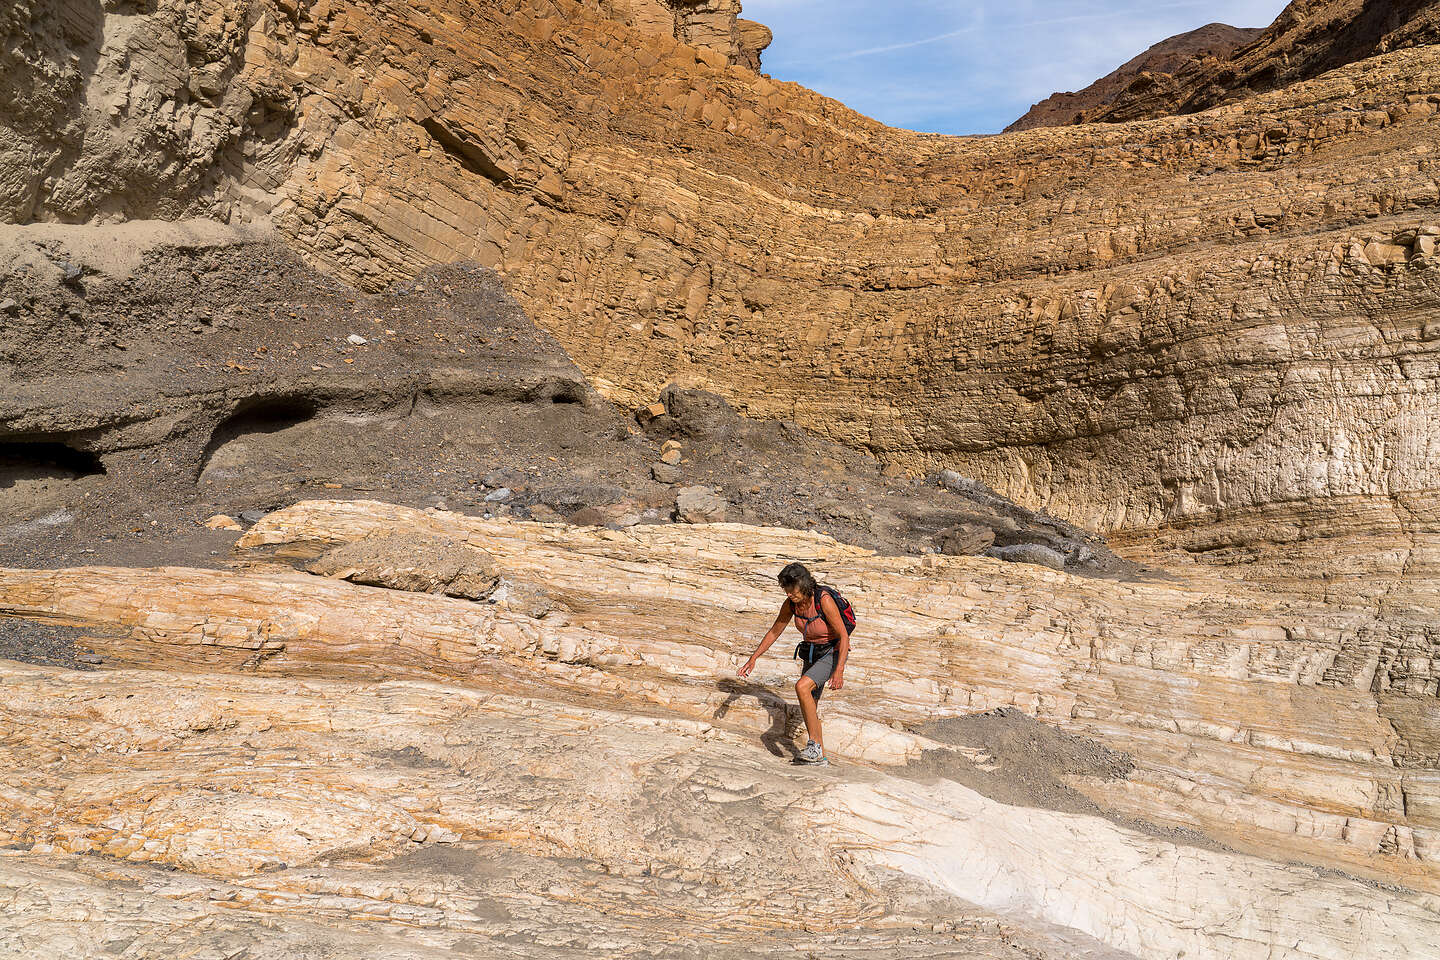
(796, 576)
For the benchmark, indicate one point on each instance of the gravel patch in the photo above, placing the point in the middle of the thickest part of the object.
(45, 644)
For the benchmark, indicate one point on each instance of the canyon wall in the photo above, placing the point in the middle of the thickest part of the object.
(1156, 324)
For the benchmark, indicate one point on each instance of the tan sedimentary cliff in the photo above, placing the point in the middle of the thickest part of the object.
(282, 739)
(1172, 322)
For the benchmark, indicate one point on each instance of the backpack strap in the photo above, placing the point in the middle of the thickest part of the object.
(808, 620)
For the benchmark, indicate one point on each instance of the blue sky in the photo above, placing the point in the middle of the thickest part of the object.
(947, 66)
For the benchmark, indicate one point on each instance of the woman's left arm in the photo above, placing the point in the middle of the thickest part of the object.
(836, 623)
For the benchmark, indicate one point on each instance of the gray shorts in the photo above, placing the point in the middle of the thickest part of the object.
(820, 668)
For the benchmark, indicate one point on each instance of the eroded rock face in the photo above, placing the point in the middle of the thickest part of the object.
(192, 371)
(1179, 322)
(711, 25)
(1213, 335)
(303, 734)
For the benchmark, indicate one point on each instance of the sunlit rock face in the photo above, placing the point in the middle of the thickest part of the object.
(1210, 337)
(1180, 321)
(306, 752)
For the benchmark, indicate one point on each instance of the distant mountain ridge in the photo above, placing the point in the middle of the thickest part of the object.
(1184, 75)
(1308, 38)
(1214, 40)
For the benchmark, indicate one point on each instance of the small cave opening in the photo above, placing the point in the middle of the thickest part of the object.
(557, 390)
(45, 460)
(258, 416)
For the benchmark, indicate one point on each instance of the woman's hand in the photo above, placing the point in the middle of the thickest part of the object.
(745, 668)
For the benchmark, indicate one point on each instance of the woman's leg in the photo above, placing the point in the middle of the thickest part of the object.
(805, 690)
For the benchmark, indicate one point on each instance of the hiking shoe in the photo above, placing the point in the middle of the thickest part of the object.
(811, 754)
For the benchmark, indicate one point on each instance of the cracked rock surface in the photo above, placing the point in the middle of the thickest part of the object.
(302, 752)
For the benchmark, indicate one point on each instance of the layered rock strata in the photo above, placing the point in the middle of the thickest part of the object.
(1170, 322)
(1212, 335)
(282, 818)
(1282, 729)
(149, 383)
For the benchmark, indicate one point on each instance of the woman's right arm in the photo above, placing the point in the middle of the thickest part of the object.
(771, 635)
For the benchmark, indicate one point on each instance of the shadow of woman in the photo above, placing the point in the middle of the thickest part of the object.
(784, 721)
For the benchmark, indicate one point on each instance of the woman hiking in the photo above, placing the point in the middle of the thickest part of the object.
(826, 646)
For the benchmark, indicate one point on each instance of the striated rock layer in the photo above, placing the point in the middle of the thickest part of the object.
(1212, 336)
(281, 739)
(1174, 322)
(1135, 326)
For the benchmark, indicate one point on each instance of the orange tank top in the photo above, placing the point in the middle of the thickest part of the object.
(813, 628)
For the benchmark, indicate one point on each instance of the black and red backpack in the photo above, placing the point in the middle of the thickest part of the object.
(847, 612)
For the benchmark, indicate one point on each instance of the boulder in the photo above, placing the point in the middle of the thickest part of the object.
(417, 564)
(1380, 254)
(959, 483)
(223, 522)
(1028, 553)
(965, 539)
(696, 415)
(587, 517)
(699, 505)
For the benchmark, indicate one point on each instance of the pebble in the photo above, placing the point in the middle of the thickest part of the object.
(504, 493)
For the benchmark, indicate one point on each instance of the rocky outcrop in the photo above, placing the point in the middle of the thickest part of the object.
(270, 736)
(1308, 38)
(1212, 335)
(418, 564)
(707, 24)
(751, 39)
(1134, 327)
(1212, 41)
